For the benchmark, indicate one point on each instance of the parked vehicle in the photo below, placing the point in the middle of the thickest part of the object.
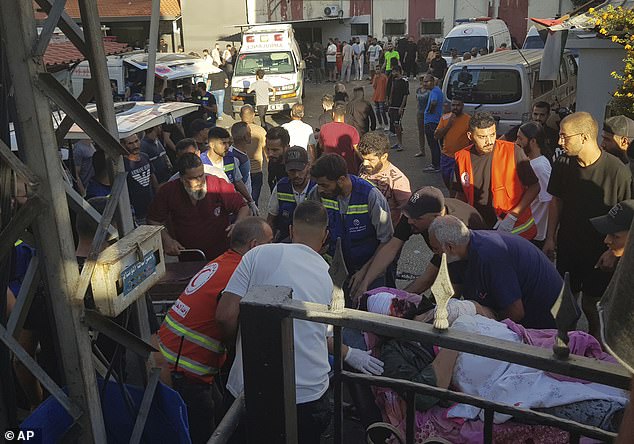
(478, 33)
(274, 49)
(506, 84)
(128, 72)
(533, 39)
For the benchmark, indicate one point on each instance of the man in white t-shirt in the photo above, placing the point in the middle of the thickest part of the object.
(331, 60)
(301, 133)
(300, 267)
(348, 56)
(190, 146)
(531, 138)
(262, 88)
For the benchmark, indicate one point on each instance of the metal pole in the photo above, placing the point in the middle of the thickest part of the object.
(151, 55)
(52, 225)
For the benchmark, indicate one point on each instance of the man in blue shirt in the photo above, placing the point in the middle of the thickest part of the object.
(433, 112)
(506, 273)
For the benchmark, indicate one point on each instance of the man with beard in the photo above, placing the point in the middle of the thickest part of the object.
(357, 211)
(617, 134)
(219, 155)
(503, 272)
(530, 138)
(452, 131)
(496, 178)
(142, 183)
(585, 183)
(289, 192)
(423, 206)
(199, 207)
(277, 142)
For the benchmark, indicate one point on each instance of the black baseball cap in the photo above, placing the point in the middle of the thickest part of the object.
(199, 124)
(619, 218)
(423, 201)
(619, 126)
(295, 158)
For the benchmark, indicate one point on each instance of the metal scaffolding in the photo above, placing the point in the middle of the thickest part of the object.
(47, 209)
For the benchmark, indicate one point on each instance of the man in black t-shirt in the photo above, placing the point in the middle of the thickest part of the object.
(585, 183)
(397, 98)
(423, 206)
(142, 183)
(438, 66)
(277, 142)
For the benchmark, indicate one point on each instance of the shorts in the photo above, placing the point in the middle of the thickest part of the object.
(395, 116)
(373, 66)
(583, 276)
(331, 66)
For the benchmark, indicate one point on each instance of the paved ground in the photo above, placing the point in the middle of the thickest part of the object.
(415, 254)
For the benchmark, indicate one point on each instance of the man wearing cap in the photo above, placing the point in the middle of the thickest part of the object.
(357, 212)
(616, 226)
(504, 272)
(289, 192)
(617, 134)
(423, 206)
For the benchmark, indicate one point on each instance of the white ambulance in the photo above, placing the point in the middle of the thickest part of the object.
(274, 49)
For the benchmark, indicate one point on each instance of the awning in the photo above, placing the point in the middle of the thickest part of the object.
(173, 66)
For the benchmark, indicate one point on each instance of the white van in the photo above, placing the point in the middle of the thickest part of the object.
(475, 33)
(506, 84)
(533, 39)
(274, 49)
(130, 71)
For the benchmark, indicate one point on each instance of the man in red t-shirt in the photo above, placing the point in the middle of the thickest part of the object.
(340, 138)
(198, 208)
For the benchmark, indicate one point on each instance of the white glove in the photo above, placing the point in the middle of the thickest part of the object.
(364, 361)
(254, 208)
(506, 224)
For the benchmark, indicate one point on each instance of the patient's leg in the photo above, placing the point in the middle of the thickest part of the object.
(600, 413)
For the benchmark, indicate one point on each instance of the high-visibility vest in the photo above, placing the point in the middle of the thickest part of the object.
(506, 187)
(286, 205)
(191, 320)
(228, 162)
(355, 228)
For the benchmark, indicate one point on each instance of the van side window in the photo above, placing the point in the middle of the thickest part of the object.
(563, 73)
(491, 45)
(541, 87)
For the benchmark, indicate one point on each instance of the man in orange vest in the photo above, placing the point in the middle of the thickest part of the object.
(189, 338)
(496, 178)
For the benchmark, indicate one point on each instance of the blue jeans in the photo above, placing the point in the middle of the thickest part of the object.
(219, 94)
(430, 129)
(379, 110)
(447, 169)
(256, 186)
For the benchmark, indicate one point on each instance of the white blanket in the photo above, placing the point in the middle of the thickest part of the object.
(513, 384)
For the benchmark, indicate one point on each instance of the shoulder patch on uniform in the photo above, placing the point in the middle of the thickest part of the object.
(201, 278)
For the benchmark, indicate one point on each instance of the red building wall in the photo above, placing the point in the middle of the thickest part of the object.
(419, 9)
(514, 13)
(297, 9)
(360, 7)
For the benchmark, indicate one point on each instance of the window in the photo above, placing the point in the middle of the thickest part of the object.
(563, 74)
(485, 86)
(462, 44)
(431, 28)
(270, 62)
(541, 87)
(395, 27)
(359, 29)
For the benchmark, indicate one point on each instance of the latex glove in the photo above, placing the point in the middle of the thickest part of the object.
(254, 208)
(506, 224)
(364, 361)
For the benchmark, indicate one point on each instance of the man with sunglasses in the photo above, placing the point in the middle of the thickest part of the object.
(585, 182)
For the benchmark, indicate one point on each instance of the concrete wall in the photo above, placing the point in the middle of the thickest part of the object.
(595, 85)
(388, 10)
(547, 8)
(205, 22)
(463, 9)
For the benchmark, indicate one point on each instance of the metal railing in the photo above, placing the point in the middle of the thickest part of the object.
(266, 316)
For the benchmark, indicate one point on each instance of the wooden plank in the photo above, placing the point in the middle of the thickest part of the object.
(117, 333)
(79, 204)
(85, 96)
(519, 413)
(24, 298)
(19, 222)
(535, 357)
(52, 227)
(18, 167)
(46, 381)
(269, 375)
(68, 26)
(144, 410)
(49, 27)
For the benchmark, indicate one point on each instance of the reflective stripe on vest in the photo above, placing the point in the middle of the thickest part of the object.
(357, 209)
(330, 204)
(286, 197)
(193, 336)
(186, 363)
(524, 227)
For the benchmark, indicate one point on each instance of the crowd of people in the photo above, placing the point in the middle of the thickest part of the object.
(519, 211)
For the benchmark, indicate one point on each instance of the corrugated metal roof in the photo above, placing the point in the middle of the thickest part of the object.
(121, 9)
